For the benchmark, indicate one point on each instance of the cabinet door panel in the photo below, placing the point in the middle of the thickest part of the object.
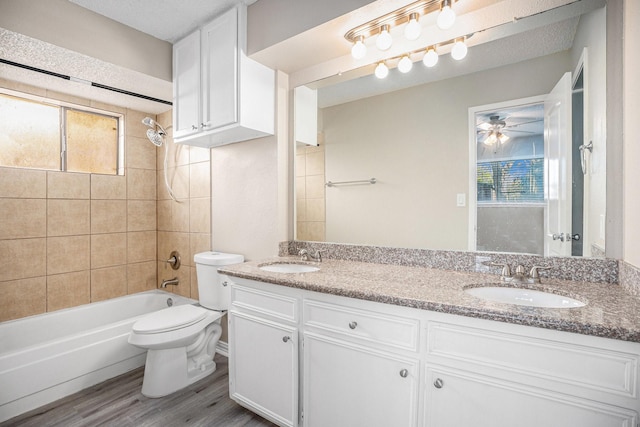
(348, 385)
(220, 71)
(263, 374)
(186, 85)
(465, 399)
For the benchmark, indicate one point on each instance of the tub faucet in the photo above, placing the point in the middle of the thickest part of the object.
(173, 282)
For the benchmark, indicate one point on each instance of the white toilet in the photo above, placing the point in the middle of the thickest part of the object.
(181, 340)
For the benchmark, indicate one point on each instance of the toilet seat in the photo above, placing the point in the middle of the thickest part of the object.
(170, 319)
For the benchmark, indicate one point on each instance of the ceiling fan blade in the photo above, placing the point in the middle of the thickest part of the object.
(485, 126)
(523, 123)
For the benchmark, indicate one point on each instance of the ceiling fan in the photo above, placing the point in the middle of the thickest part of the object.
(494, 130)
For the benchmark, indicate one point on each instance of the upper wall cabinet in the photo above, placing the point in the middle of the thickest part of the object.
(220, 96)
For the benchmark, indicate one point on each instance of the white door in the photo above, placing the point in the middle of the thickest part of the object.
(557, 153)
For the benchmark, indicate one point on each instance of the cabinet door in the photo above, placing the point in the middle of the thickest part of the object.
(186, 85)
(348, 385)
(220, 71)
(263, 371)
(458, 398)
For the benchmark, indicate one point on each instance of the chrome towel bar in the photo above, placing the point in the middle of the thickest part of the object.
(362, 181)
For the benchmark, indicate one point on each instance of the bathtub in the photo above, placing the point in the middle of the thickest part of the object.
(48, 356)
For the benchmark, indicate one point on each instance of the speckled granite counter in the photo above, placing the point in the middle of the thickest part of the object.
(610, 312)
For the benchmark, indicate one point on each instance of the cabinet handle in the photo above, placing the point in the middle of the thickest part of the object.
(225, 283)
(438, 383)
(286, 338)
(205, 125)
(353, 325)
(194, 127)
(404, 373)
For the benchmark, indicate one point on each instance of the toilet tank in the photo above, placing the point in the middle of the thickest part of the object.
(212, 289)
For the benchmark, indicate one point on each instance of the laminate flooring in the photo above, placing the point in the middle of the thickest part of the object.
(118, 402)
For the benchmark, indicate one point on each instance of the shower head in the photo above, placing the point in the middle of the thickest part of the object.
(157, 138)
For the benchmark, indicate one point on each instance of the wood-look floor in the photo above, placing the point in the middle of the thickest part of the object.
(118, 402)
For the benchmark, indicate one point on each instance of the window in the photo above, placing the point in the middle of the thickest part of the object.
(511, 181)
(46, 134)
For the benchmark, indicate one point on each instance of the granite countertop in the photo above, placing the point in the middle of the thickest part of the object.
(610, 311)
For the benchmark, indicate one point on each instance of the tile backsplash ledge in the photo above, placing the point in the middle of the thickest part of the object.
(600, 270)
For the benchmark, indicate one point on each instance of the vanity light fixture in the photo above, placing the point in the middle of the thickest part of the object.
(381, 70)
(459, 50)
(447, 16)
(359, 50)
(413, 29)
(405, 64)
(384, 40)
(430, 58)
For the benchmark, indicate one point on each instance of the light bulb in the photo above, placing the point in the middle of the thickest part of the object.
(384, 40)
(359, 50)
(405, 64)
(447, 16)
(459, 50)
(430, 58)
(381, 71)
(502, 138)
(413, 29)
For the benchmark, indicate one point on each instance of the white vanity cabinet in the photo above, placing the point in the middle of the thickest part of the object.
(263, 353)
(360, 367)
(220, 95)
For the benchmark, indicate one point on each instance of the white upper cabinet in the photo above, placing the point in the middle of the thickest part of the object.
(220, 95)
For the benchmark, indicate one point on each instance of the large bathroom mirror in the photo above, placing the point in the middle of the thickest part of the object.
(396, 160)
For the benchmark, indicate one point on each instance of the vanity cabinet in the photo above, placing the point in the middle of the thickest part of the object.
(220, 95)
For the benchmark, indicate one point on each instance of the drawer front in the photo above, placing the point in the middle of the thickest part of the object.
(265, 303)
(603, 370)
(367, 326)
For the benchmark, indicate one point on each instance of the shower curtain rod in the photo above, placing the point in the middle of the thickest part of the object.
(98, 85)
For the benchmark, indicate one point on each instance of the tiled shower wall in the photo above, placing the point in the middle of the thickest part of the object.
(69, 238)
(310, 192)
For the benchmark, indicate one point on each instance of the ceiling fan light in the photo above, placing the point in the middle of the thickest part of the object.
(405, 64)
(491, 139)
(459, 50)
(502, 138)
(447, 16)
(413, 29)
(381, 70)
(359, 50)
(384, 39)
(430, 58)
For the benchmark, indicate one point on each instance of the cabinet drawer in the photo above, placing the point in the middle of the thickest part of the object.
(364, 325)
(265, 303)
(540, 360)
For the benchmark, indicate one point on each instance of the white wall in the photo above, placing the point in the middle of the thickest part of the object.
(631, 133)
(414, 142)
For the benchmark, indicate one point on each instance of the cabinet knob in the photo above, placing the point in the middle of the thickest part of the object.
(205, 125)
(225, 284)
(286, 338)
(438, 383)
(353, 325)
(194, 127)
(404, 373)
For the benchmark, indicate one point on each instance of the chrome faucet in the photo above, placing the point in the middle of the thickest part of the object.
(520, 275)
(306, 256)
(175, 281)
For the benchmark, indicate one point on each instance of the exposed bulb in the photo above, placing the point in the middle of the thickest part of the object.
(359, 50)
(381, 71)
(459, 50)
(405, 64)
(413, 29)
(384, 40)
(447, 16)
(430, 58)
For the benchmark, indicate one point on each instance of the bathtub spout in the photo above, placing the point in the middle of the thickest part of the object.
(173, 281)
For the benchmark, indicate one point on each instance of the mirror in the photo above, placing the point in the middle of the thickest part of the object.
(399, 156)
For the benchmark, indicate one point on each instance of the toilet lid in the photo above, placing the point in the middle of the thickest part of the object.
(170, 319)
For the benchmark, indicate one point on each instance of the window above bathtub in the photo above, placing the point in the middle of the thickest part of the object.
(42, 133)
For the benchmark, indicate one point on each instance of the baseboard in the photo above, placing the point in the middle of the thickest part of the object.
(222, 348)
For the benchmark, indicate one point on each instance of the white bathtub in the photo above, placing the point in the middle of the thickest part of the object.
(48, 356)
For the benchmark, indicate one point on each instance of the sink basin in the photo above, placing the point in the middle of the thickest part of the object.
(521, 296)
(289, 268)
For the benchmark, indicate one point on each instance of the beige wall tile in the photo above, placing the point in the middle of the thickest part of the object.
(301, 187)
(178, 180)
(301, 231)
(301, 169)
(21, 298)
(141, 246)
(68, 217)
(141, 215)
(301, 209)
(141, 153)
(107, 107)
(141, 184)
(68, 290)
(315, 210)
(200, 215)
(67, 185)
(108, 216)
(198, 154)
(316, 231)
(110, 282)
(199, 180)
(22, 87)
(141, 277)
(23, 218)
(194, 284)
(164, 214)
(108, 250)
(28, 258)
(108, 186)
(315, 163)
(315, 187)
(180, 212)
(133, 123)
(68, 254)
(179, 154)
(23, 183)
(198, 242)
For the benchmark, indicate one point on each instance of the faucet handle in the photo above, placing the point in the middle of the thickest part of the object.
(506, 270)
(535, 269)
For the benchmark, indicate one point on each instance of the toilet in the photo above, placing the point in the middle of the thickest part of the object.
(181, 340)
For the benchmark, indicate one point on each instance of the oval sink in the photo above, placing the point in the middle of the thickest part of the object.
(520, 296)
(289, 268)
